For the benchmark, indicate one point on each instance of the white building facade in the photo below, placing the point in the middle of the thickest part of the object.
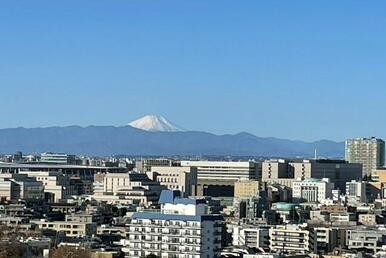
(312, 190)
(181, 229)
(291, 238)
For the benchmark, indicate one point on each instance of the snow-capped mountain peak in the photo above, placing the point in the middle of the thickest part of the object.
(154, 123)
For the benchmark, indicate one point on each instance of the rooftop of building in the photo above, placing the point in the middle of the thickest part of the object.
(174, 197)
(175, 217)
(323, 161)
(36, 165)
(286, 206)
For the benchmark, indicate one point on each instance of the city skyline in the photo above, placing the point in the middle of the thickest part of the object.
(192, 129)
(306, 71)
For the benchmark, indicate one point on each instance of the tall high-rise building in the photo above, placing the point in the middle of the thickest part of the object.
(370, 152)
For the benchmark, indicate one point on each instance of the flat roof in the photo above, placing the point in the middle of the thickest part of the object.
(45, 165)
(162, 216)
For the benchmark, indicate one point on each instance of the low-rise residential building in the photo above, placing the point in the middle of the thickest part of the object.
(69, 228)
(250, 236)
(291, 238)
(371, 239)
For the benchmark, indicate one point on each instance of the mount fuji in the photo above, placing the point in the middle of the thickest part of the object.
(154, 123)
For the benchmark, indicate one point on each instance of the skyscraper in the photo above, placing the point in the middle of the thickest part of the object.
(370, 152)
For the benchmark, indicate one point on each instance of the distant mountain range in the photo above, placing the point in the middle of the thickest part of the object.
(127, 140)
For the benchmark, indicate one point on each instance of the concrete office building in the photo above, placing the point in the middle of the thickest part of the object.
(379, 175)
(276, 168)
(145, 165)
(338, 171)
(57, 158)
(181, 230)
(128, 188)
(183, 179)
(342, 218)
(56, 186)
(368, 238)
(247, 188)
(9, 190)
(81, 177)
(325, 239)
(22, 187)
(249, 208)
(217, 178)
(367, 219)
(312, 190)
(356, 192)
(370, 152)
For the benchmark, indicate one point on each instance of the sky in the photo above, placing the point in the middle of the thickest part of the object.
(305, 70)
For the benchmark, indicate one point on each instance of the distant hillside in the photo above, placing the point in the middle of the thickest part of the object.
(110, 140)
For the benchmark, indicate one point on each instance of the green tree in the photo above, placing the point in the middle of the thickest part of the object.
(70, 252)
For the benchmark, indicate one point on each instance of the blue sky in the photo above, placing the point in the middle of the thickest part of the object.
(291, 69)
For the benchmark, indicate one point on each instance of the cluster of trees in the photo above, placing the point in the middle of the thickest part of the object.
(70, 252)
(11, 247)
(12, 250)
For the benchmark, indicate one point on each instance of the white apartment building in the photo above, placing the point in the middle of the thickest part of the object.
(312, 190)
(181, 229)
(251, 236)
(183, 179)
(54, 183)
(291, 238)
